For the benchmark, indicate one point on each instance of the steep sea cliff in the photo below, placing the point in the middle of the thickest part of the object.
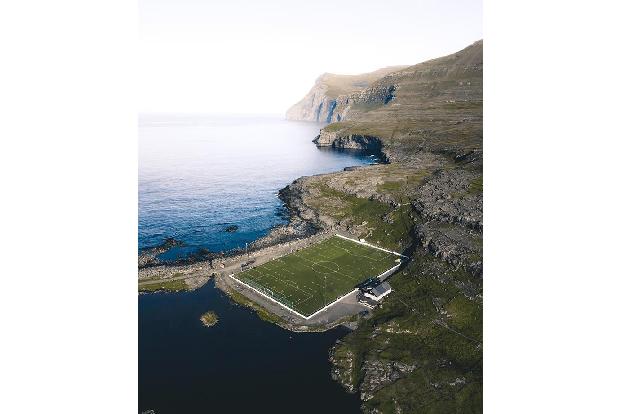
(332, 95)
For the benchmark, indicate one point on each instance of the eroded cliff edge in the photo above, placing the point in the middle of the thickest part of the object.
(326, 100)
(421, 351)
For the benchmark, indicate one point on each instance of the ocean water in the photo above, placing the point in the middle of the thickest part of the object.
(240, 365)
(200, 174)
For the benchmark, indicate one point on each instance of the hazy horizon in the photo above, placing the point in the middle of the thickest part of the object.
(242, 57)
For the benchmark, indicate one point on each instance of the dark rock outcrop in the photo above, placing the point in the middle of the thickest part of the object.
(353, 141)
(378, 373)
(149, 257)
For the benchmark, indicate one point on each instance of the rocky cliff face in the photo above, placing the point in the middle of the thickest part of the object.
(332, 95)
(352, 141)
(435, 106)
(316, 106)
(452, 79)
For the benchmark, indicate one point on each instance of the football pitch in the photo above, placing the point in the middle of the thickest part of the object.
(311, 278)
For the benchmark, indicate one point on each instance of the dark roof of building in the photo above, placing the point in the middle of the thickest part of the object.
(381, 289)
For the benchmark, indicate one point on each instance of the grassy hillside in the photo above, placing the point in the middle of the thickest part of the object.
(437, 106)
(422, 350)
(345, 84)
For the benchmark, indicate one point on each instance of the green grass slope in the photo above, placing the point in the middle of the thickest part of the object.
(437, 106)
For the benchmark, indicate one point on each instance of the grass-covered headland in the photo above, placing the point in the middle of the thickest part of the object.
(421, 350)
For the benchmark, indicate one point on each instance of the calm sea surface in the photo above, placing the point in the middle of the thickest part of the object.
(241, 365)
(198, 175)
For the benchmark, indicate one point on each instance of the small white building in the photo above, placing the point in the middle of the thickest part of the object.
(377, 292)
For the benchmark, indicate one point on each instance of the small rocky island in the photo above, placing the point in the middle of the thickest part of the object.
(232, 228)
(209, 319)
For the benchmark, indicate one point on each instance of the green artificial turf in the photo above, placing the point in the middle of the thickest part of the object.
(311, 278)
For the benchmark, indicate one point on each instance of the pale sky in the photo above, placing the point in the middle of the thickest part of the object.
(262, 56)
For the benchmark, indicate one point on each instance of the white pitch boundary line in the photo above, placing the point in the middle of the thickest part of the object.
(340, 297)
(266, 296)
(333, 303)
(287, 307)
(320, 310)
(388, 272)
(370, 245)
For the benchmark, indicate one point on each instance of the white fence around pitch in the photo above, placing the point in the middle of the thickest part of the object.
(388, 272)
(381, 277)
(266, 296)
(287, 307)
(370, 245)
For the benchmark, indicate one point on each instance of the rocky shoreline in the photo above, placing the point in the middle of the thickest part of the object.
(280, 237)
(149, 257)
